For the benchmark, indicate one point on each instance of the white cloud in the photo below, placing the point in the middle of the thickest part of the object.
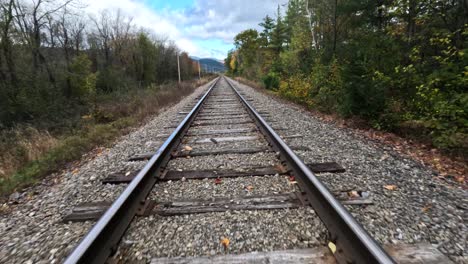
(207, 19)
(145, 17)
(223, 19)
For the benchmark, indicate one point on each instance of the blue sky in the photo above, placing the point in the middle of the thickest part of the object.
(203, 28)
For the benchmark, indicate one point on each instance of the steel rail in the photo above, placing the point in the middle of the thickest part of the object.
(353, 243)
(102, 240)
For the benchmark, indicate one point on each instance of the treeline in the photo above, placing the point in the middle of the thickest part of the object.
(400, 65)
(56, 60)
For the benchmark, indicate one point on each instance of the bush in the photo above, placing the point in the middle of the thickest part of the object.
(271, 81)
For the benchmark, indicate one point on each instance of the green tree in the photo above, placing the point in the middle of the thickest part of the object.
(247, 43)
(82, 80)
(268, 26)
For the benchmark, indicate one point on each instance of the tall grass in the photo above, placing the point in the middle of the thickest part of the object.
(27, 154)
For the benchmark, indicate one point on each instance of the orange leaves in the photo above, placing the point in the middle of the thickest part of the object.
(390, 187)
(426, 208)
(225, 242)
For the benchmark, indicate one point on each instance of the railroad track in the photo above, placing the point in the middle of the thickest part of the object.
(222, 122)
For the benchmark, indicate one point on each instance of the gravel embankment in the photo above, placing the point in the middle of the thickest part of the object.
(420, 209)
(195, 235)
(31, 228)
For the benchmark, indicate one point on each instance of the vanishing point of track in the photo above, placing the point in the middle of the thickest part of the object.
(353, 243)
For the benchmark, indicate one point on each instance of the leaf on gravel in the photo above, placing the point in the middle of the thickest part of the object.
(427, 208)
(249, 188)
(225, 242)
(460, 179)
(384, 157)
(332, 247)
(353, 194)
(292, 182)
(217, 181)
(292, 178)
(188, 148)
(75, 171)
(390, 187)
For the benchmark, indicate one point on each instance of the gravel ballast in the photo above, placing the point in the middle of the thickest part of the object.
(420, 209)
(30, 226)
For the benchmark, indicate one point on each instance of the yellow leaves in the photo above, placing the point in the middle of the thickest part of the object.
(390, 187)
(332, 247)
(225, 242)
(188, 148)
(75, 171)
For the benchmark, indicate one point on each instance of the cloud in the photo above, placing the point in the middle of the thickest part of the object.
(147, 18)
(215, 22)
(223, 19)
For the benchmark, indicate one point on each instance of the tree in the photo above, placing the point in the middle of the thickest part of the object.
(266, 34)
(278, 37)
(247, 43)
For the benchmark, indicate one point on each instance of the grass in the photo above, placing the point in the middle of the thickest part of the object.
(29, 154)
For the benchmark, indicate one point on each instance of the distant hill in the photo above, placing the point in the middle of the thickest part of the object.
(210, 64)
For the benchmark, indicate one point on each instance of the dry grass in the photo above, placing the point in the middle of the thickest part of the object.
(22, 145)
(253, 84)
(28, 154)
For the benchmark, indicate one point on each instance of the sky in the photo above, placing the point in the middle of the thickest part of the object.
(203, 28)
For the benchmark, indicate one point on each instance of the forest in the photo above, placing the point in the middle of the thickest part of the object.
(400, 66)
(70, 81)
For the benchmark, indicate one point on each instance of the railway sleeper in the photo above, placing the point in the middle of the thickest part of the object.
(207, 152)
(126, 177)
(93, 210)
(402, 253)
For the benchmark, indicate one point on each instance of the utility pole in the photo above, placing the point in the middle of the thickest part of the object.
(199, 74)
(178, 65)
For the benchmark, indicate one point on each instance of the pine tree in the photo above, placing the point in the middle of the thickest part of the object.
(268, 25)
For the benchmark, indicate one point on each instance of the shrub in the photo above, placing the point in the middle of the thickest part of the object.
(271, 81)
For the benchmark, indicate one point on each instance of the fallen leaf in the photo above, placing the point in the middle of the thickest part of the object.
(217, 181)
(188, 148)
(390, 187)
(332, 247)
(353, 194)
(292, 182)
(75, 171)
(225, 242)
(249, 188)
(292, 178)
(427, 208)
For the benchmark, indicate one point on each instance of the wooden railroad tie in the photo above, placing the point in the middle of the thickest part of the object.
(126, 177)
(93, 210)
